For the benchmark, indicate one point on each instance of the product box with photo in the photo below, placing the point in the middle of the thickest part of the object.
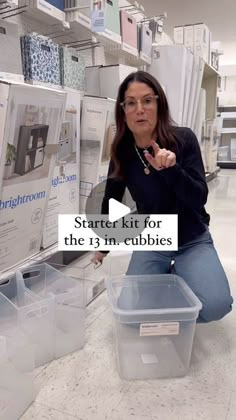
(30, 120)
(97, 133)
(64, 194)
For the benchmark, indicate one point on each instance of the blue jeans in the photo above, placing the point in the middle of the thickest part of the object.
(198, 264)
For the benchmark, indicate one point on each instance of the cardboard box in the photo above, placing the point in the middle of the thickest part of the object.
(64, 194)
(97, 132)
(92, 80)
(200, 125)
(233, 148)
(10, 52)
(145, 42)
(169, 68)
(30, 119)
(212, 143)
(179, 35)
(202, 39)
(189, 38)
(111, 77)
(188, 80)
(129, 32)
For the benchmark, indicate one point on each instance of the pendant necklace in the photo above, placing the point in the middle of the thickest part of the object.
(146, 166)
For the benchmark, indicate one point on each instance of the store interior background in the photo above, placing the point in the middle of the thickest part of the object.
(86, 385)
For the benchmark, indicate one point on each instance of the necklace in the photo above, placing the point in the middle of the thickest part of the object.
(146, 166)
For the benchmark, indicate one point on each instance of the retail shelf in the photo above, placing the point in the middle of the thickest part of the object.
(211, 175)
(80, 23)
(43, 11)
(209, 71)
(130, 54)
(227, 164)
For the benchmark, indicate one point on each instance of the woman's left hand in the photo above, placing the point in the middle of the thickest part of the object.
(162, 158)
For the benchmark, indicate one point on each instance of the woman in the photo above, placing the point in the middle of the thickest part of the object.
(161, 166)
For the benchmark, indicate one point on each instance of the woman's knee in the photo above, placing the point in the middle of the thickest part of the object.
(217, 309)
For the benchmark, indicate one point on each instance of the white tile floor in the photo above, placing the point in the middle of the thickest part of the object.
(86, 385)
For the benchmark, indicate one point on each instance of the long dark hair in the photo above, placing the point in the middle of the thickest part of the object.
(123, 138)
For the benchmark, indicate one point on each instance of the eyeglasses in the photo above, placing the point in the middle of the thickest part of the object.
(130, 105)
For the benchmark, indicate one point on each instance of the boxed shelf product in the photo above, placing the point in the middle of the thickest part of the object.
(200, 125)
(10, 52)
(179, 35)
(97, 133)
(154, 322)
(41, 59)
(129, 32)
(233, 148)
(112, 15)
(145, 42)
(64, 193)
(72, 69)
(189, 37)
(169, 68)
(213, 130)
(111, 77)
(59, 4)
(202, 41)
(223, 153)
(30, 120)
(92, 80)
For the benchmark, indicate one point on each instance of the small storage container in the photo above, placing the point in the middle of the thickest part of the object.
(46, 282)
(17, 389)
(34, 318)
(155, 318)
(223, 153)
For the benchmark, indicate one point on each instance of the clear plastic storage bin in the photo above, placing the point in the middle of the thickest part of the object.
(155, 318)
(44, 282)
(17, 389)
(34, 318)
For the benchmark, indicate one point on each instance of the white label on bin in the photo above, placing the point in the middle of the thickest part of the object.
(149, 359)
(160, 328)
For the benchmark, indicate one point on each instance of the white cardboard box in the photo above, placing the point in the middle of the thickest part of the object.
(169, 68)
(97, 132)
(179, 35)
(188, 79)
(111, 77)
(212, 143)
(233, 148)
(30, 119)
(202, 41)
(64, 194)
(200, 124)
(92, 81)
(188, 37)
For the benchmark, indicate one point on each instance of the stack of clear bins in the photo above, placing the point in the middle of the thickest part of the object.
(35, 318)
(44, 282)
(155, 318)
(17, 390)
(50, 309)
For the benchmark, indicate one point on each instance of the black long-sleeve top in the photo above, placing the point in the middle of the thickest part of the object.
(181, 189)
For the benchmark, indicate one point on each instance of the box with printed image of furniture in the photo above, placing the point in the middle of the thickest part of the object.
(72, 69)
(65, 141)
(10, 52)
(30, 150)
(129, 33)
(41, 59)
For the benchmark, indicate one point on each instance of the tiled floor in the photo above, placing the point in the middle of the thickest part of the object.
(86, 385)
